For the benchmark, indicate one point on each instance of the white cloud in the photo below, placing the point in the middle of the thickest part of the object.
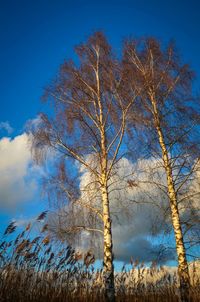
(137, 219)
(33, 123)
(17, 182)
(6, 126)
(141, 222)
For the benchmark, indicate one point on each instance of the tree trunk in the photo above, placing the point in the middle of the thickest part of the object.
(108, 254)
(180, 248)
(108, 269)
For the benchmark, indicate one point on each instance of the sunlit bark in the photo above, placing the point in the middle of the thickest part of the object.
(108, 267)
(108, 247)
(180, 248)
(91, 109)
(166, 107)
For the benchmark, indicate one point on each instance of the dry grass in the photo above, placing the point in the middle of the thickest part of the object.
(35, 269)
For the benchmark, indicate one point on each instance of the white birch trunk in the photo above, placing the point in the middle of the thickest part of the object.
(108, 269)
(108, 246)
(180, 248)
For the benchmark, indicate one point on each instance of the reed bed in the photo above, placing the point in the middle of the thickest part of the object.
(35, 268)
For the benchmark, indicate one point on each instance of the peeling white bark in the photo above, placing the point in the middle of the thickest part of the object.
(180, 248)
(108, 255)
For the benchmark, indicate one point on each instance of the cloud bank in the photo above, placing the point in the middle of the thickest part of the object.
(137, 210)
(18, 177)
(141, 221)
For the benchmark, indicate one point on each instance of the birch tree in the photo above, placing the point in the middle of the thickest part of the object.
(170, 114)
(87, 128)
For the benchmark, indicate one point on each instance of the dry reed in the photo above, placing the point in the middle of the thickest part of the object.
(35, 269)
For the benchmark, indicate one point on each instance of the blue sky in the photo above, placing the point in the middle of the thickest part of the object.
(36, 36)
